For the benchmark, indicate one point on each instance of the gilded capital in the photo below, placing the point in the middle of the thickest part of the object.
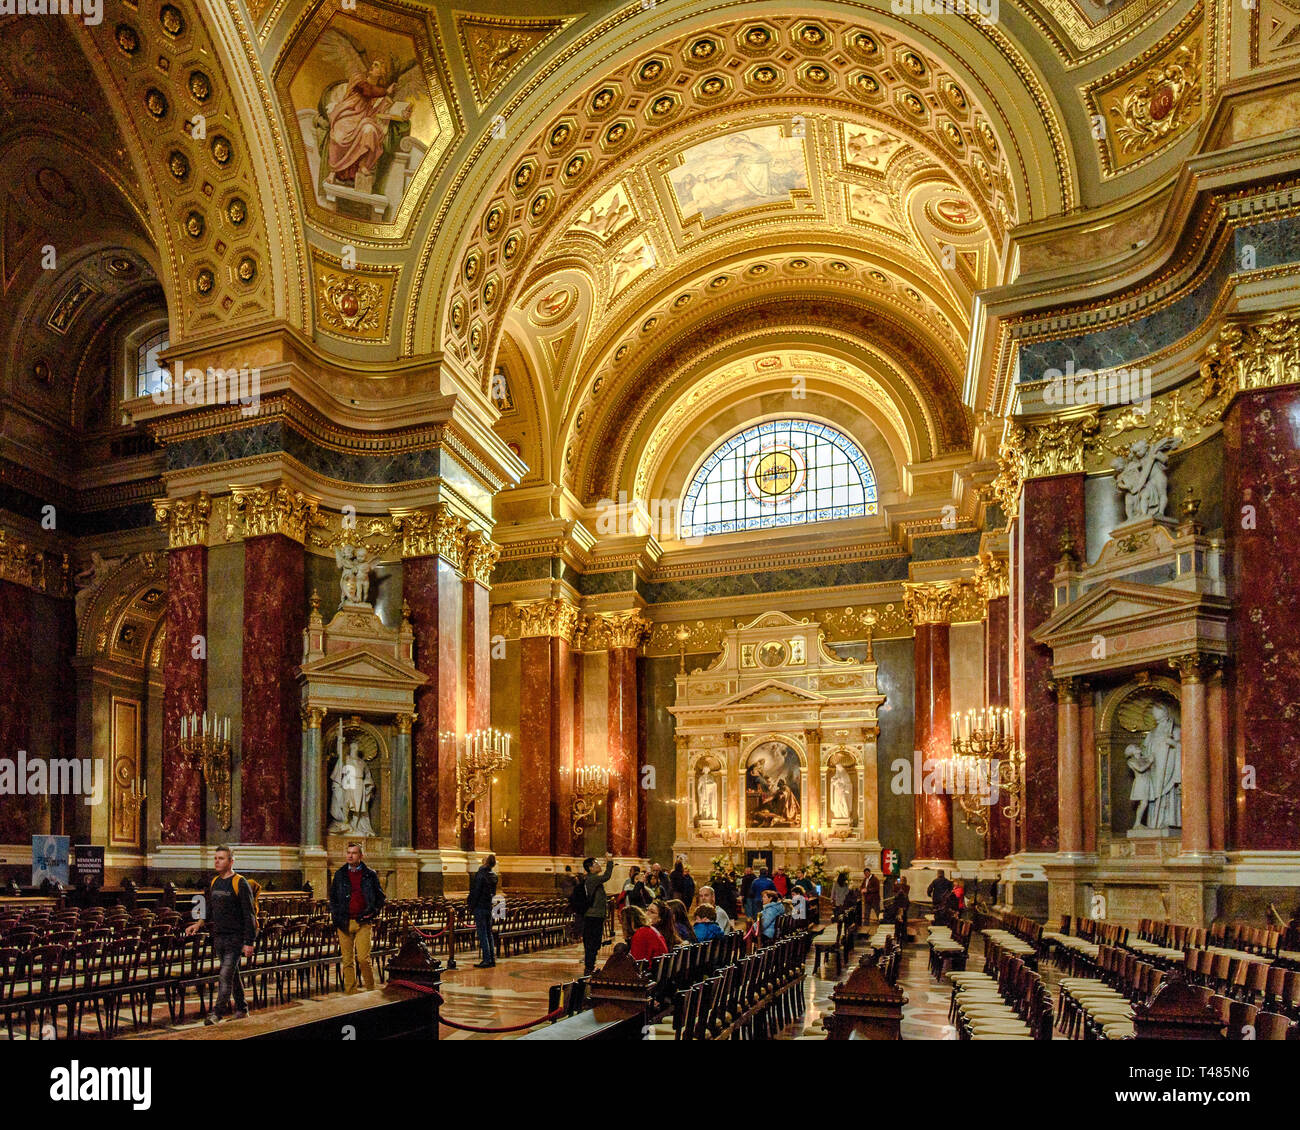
(481, 555)
(551, 618)
(1051, 447)
(432, 533)
(312, 717)
(1193, 667)
(1263, 353)
(404, 722)
(186, 519)
(603, 631)
(1069, 689)
(275, 510)
(991, 578)
(930, 603)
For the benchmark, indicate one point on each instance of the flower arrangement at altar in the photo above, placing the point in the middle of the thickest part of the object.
(817, 870)
(719, 867)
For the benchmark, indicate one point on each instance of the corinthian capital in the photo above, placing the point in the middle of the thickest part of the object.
(186, 519)
(930, 603)
(1263, 353)
(550, 618)
(432, 533)
(603, 631)
(991, 578)
(480, 557)
(275, 510)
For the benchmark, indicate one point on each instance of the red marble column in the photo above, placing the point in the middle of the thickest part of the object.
(1048, 508)
(478, 692)
(15, 705)
(1088, 752)
(933, 729)
(997, 693)
(1070, 767)
(625, 798)
(184, 690)
(270, 750)
(434, 591)
(1262, 483)
(536, 732)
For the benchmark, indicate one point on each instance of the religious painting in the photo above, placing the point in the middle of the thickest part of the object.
(773, 787)
(370, 115)
(739, 171)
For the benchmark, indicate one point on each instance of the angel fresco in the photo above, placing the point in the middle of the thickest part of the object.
(363, 116)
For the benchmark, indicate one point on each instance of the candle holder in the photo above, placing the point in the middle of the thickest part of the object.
(205, 747)
(480, 755)
(985, 751)
(590, 787)
(733, 837)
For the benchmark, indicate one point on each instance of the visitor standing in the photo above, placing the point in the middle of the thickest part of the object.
(482, 889)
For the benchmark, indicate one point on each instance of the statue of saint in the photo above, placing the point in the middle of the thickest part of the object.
(841, 793)
(352, 788)
(354, 573)
(1142, 476)
(706, 795)
(1157, 767)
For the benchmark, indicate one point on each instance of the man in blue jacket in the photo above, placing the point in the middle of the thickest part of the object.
(355, 900)
(482, 890)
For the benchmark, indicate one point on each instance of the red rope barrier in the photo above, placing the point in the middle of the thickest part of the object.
(559, 1012)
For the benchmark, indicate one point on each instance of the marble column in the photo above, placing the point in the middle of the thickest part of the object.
(1088, 766)
(997, 692)
(627, 802)
(312, 821)
(1262, 483)
(1050, 523)
(184, 660)
(546, 761)
(930, 607)
(1192, 671)
(400, 783)
(1217, 711)
(270, 769)
(480, 558)
(15, 704)
(1070, 761)
(433, 556)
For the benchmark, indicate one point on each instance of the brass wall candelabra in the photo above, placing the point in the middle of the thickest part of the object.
(205, 747)
(590, 787)
(480, 756)
(987, 757)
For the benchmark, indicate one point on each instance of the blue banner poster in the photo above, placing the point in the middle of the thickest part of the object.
(50, 859)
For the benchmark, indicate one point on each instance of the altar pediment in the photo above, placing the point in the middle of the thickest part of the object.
(769, 692)
(363, 665)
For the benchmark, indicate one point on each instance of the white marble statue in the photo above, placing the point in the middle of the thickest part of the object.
(1157, 766)
(706, 795)
(352, 788)
(841, 793)
(354, 573)
(1143, 478)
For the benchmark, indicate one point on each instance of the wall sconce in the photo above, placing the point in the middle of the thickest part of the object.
(205, 746)
(481, 755)
(590, 787)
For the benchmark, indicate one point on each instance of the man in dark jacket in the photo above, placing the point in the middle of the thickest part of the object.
(355, 900)
(482, 890)
(227, 910)
(593, 918)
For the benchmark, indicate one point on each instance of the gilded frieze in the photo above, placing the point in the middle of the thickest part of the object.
(34, 569)
(272, 510)
(186, 519)
(1248, 355)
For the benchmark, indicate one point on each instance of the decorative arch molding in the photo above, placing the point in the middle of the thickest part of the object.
(594, 463)
(121, 597)
(1119, 695)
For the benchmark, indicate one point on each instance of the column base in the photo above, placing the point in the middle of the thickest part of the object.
(315, 870)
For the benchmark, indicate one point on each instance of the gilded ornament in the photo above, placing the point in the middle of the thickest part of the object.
(481, 556)
(605, 631)
(350, 303)
(200, 86)
(237, 211)
(1161, 101)
(156, 103)
(178, 165)
(205, 280)
(1249, 355)
(221, 150)
(186, 519)
(547, 619)
(932, 603)
(431, 533)
(128, 40)
(275, 510)
(173, 23)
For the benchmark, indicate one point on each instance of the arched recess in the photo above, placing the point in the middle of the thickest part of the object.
(120, 633)
(601, 445)
(524, 418)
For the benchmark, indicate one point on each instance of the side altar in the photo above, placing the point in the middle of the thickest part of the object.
(358, 681)
(776, 750)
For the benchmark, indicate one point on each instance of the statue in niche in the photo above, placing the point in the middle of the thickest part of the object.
(841, 793)
(706, 795)
(1143, 477)
(1157, 766)
(355, 568)
(352, 789)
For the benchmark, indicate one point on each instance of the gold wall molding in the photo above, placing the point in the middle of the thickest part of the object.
(1251, 355)
(185, 519)
(272, 510)
(604, 631)
(554, 618)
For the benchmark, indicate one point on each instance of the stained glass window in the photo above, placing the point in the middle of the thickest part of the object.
(779, 473)
(150, 374)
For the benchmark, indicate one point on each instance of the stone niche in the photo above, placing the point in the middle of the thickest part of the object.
(776, 749)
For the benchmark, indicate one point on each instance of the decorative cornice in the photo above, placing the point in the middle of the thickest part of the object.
(437, 532)
(186, 519)
(547, 618)
(481, 556)
(605, 631)
(35, 569)
(273, 510)
(1252, 355)
(931, 603)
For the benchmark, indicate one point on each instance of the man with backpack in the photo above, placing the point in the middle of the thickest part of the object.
(229, 908)
(355, 900)
(589, 902)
